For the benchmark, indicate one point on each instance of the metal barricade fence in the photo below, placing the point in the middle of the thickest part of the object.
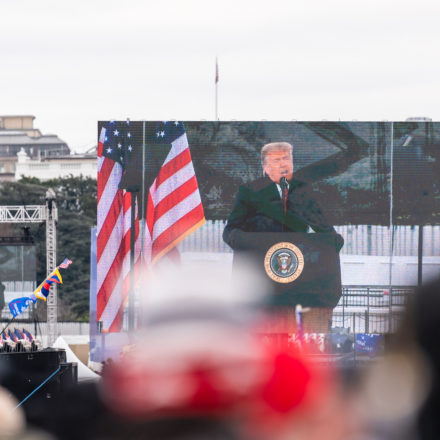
(371, 309)
(380, 323)
(362, 309)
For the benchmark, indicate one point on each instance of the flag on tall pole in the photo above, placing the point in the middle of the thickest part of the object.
(115, 148)
(18, 305)
(174, 206)
(43, 289)
(65, 263)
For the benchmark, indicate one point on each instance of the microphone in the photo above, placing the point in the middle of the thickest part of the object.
(284, 190)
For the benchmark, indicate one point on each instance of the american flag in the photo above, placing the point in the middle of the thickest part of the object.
(174, 206)
(65, 264)
(115, 149)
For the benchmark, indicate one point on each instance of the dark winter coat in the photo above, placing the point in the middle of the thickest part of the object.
(259, 208)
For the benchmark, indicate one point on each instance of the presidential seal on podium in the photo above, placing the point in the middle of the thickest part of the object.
(284, 262)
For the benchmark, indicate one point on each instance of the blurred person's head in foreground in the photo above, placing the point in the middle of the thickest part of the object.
(401, 394)
(13, 421)
(198, 370)
(422, 329)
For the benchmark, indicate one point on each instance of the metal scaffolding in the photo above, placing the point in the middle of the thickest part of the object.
(51, 262)
(23, 214)
(37, 214)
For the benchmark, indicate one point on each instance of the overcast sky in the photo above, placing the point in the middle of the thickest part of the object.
(71, 63)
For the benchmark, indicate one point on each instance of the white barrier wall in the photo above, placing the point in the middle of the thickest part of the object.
(359, 239)
(356, 270)
(364, 270)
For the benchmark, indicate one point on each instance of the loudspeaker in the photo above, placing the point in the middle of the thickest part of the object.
(22, 373)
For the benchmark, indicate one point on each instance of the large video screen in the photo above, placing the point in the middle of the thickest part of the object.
(17, 272)
(375, 183)
(17, 263)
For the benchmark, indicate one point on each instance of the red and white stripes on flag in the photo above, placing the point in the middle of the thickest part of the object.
(174, 206)
(113, 242)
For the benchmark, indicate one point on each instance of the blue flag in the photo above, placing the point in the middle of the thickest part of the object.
(18, 334)
(28, 335)
(18, 305)
(367, 343)
(12, 336)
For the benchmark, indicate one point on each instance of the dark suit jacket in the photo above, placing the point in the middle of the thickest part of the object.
(259, 208)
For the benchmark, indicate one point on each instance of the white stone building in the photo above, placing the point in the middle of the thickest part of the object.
(18, 133)
(54, 167)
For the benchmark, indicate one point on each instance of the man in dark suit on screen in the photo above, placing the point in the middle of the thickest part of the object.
(277, 203)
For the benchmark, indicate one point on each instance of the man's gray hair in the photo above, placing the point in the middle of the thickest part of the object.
(275, 146)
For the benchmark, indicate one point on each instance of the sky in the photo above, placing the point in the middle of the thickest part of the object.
(72, 63)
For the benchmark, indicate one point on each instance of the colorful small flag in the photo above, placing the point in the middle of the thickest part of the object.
(28, 335)
(65, 264)
(43, 290)
(12, 336)
(19, 335)
(18, 305)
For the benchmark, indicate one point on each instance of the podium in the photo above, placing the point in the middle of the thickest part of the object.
(300, 268)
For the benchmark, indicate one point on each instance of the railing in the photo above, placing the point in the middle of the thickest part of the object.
(367, 309)
(368, 322)
(362, 309)
(381, 297)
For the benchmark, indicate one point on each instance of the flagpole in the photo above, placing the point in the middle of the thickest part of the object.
(8, 324)
(142, 215)
(216, 89)
(131, 293)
